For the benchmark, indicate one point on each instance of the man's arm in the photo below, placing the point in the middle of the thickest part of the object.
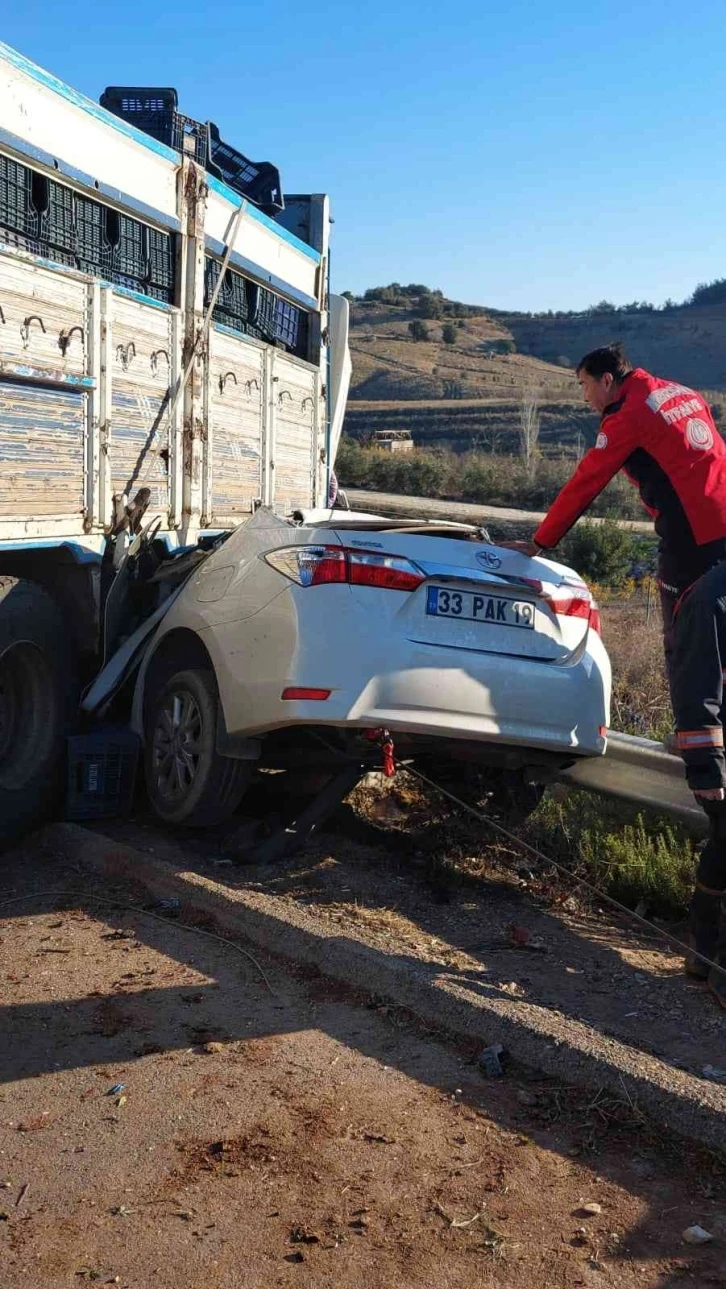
(618, 437)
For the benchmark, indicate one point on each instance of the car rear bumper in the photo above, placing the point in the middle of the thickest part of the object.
(438, 693)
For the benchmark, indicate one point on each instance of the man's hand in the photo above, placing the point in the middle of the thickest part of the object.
(710, 794)
(525, 548)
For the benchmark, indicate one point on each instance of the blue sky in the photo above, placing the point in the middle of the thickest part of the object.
(518, 155)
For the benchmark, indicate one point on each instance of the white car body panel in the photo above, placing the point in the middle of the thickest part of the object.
(386, 661)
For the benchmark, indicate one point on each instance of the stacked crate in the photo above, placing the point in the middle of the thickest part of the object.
(40, 215)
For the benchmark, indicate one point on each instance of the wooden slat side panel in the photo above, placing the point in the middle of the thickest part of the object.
(40, 308)
(42, 443)
(294, 411)
(235, 401)
(139, 432)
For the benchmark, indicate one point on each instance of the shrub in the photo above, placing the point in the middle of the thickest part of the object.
(600, 552)
(430, 306)
(448, 333)
(709, 292)
(418, 330)
(630, 855)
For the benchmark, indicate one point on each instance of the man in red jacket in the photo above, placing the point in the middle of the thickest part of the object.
(663, 436)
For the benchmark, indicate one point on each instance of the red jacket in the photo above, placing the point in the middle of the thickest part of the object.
(663, 436)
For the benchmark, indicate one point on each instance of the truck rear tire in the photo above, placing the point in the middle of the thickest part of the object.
(37, 692)
(187, 780)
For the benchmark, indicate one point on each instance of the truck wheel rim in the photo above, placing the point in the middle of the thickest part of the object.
(177, 747)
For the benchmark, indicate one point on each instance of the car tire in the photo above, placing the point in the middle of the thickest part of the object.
(37, 702)
(187, 781)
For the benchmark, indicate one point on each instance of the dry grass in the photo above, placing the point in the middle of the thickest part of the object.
(633, 637)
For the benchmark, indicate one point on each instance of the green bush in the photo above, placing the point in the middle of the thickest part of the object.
(448, 333)
(600, 553)
(418, 330)
(629, 854)
(430, 306)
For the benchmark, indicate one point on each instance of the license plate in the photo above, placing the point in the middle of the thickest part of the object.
(471, 606)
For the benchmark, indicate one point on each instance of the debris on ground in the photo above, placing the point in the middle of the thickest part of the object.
(697, 1235)
(490, 1061)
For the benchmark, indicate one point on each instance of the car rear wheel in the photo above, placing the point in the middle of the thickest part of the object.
(188, 782)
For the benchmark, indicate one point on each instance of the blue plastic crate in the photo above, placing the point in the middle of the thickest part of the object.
(101, 773)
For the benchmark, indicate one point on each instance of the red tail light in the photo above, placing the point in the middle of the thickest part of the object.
(577, 606)
(322, 565)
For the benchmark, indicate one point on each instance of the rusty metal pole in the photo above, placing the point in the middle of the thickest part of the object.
(194, 205)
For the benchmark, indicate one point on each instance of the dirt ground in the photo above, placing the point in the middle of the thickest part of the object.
(289, 1131)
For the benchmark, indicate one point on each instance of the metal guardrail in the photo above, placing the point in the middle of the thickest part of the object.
(641, 771)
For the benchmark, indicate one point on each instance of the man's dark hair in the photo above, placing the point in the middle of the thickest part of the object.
(610, 358)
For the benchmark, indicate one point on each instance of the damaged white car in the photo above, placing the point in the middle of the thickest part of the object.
(308, 638)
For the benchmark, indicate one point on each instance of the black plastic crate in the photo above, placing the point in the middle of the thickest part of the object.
(58, 255)
(161, 260)
(15, 201)
(190, 137)
(232, 305)
(263, 312)
(287, 323)
(56, 215)
(154, 110)
(130, 248)
(163, 293)
(211, 275)
(92, 246)
(259, 181)
(101, 773)
(235, 300)
(128, 280)
(10, 237)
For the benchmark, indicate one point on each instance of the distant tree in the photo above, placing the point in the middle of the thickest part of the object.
(418, 330)
(563, 361)
(604, 306)
(529, 430)
(709, 292)
(507, 347)
(430, 306)
(348, 295)
(461, 324)
(448, 333)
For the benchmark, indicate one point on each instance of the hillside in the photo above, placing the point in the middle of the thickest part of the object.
(686, 342)
(461, 395)
(467, 393)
